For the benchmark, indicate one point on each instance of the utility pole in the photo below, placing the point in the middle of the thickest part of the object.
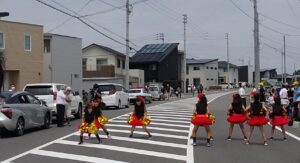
(228, 66)
(282, 65)
(284, 60)
(295, 78)
(183, 68)
(127, 46)
(256, 44)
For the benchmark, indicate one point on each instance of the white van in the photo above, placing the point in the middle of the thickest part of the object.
(47, 92)
(113, 95)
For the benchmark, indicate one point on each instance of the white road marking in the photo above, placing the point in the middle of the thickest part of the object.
(152, 133)
(167, 115)
(154, 119)
(159, 124)
(286, 132)
(143, 141)
(171, 113)
(124, 149)
(73, 156)
(164, 117)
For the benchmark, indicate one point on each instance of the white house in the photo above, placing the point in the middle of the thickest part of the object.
(202, 71)
(103, 64)
(223, 73)
(62, 60)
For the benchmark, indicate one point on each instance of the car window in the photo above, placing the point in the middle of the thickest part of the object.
(119, 88)
(22, 99)
(134, 91)
(33, 100)
(153, 88)
(58, 87)
(106, 88)
(39, 90)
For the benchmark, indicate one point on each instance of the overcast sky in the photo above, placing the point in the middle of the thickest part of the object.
(208, 21)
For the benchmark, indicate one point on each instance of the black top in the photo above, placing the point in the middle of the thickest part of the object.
(277, 110)
(237, 108)
(98, 110)
(256, 108)
(139, 110)
(201, 108)
(262, 96)
(89, 117)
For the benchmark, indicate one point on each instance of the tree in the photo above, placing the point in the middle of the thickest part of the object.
(297, 72)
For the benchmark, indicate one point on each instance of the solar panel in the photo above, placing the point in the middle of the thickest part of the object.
(155, 48)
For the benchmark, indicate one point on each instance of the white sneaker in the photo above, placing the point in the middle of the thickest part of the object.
(194, 144)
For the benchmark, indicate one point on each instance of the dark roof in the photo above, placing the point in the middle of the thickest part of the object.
(153, 52)
(267, 69)
(199, 61)
(106, 49)
(223, 64)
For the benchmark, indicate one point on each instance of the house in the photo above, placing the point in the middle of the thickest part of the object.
(204, 71)
(269, 75)
(289, 78)
(223, 72)
(22, 48)
(246, 74)
(62, 60)
(103, 64)
(161, 63)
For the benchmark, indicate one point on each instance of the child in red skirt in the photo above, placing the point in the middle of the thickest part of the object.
(201, 118)
(237, 113)
(257, 117)
(277, 114)
(139, 116)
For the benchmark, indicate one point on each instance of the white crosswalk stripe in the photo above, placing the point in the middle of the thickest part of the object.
(170, 128)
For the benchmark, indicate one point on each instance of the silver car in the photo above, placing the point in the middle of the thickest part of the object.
(21, 110)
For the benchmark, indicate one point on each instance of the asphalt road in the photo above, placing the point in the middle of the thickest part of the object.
(170, 142)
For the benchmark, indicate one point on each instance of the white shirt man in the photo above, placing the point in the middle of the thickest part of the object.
(61, 97)
(284, 96)
(60, 106)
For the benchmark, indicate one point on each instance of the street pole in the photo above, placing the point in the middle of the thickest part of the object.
(282, 69)
(284, 60)
(127, 46)
(228, 66)
(294, 71)
(183, 69)
(256, 45)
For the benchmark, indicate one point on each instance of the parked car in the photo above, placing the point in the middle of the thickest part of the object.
(139, 92)
(113, 95)
(21, 110)
(225, 86)
(156, 93)
(48, 92)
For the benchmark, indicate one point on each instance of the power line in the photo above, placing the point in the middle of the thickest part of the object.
(293, 11)
(280, 22)
(81, 20)
(70, 18)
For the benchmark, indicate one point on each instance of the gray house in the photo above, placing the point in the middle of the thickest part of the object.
(62, 61)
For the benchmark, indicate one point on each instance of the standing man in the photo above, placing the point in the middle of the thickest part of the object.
(295, 100)
(168, 89)
(60, 106)
(12, 88)
(243, 95)
(283, 93)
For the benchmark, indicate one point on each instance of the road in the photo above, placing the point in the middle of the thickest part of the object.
(170, 142)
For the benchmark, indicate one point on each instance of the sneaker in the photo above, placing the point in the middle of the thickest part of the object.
(229, 138)
(245, 138)
(271, 138)
(284, 139)
(99, 141)
(109, 137)
(194, 143)
(150, 136)
(208, 144)
(247, 142)
(80, 142)
(211, 138)
(265, 143)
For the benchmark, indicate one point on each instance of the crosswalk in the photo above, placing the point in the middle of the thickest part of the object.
(170, 128)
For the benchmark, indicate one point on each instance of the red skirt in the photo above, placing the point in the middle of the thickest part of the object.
(237, 118)
(201, 120)
(134, 121)
(258, 121)
(280, 120)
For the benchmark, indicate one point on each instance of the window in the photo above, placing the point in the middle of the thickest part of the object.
(2, 41)
(123, 64)
(211, 79)
(207, 79)
(33, 100)
(118, 63)
(211, 68)
(47, 46)
(224, 69)
(187, 70)
(100, 63)
(196, 68)
(84, 60)
(27, 42)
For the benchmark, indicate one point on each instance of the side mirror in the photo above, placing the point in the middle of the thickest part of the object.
(76, 93)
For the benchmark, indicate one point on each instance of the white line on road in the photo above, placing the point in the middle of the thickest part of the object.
(172, 115)
(152, 133)
(72, 156)
(149, 127)
(143, 141)
(164, 117)
(286, 132)
(124, 149)
(154, 119)
(159, 124)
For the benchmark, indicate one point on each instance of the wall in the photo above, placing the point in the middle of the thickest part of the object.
(27, 65)
(66, 53)
(136, 74)
(233, 74)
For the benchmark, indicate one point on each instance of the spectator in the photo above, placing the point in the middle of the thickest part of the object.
(178, 92)
(60, 106)
(243, 95)
(68, 105)
(12, 88)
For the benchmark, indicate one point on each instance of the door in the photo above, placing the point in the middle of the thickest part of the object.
(38, 114)
(22, 104)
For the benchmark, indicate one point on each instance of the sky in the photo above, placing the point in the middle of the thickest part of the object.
(208, 22)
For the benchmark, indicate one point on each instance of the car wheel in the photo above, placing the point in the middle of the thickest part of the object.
(20, 127)
(150, 100)
(47, 121)
(119, 105)
(78, 115)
